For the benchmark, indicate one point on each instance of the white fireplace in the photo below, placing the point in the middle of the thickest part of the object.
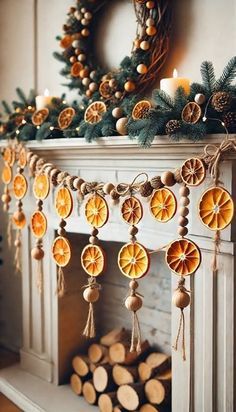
(205, 381)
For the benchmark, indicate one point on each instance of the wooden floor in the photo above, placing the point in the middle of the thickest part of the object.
(7, 358)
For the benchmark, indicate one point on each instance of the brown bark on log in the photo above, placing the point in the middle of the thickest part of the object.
(76, 384)
(158, 390)
(123, 375)
(104, 361)
(119, 408)
(149, 408)
(131, 397)
(116, 335)
(107, 401)
(97, 352)
(120, 352)
(102, 379)
(89, 393)
(156, 363)
(81, 365)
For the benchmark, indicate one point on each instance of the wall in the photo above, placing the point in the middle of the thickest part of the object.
(202, 30)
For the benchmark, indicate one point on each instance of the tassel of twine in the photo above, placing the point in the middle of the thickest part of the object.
(17, 258)
(9, 232)
(60, 282)
(39, 282)
(89, 330)
(135, 345)
(181, 326)
(217, 241)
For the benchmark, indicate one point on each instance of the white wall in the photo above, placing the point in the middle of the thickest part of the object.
(202, 30)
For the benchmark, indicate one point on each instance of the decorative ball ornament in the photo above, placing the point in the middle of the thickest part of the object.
(200, 98)
(121, 126)
(168, 178)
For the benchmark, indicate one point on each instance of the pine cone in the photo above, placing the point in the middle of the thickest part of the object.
(156, 182)
(229, 120)
(221, 101)
(146, 189)
(172, 126)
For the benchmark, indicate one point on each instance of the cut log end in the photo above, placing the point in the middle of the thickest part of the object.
(148, 408)
(76, 384)
(107, 401)
(116, 335)
(81, 365)
(102, 378)
(97, 352)
(89, 393)
(131, 397)
(157, 391)
(123, 375)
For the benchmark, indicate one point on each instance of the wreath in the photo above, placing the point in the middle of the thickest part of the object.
(136, 73)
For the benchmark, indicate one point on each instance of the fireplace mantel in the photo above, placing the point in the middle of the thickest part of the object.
(206, 381)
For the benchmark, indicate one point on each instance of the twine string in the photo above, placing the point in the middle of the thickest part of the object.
(60, 282)
(124, 188)
(9, 232)
(17, 258)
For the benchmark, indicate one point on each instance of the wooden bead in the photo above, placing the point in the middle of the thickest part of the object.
(91, 295)
(184, 211)
(107, 188)
(88, 15)
(62, 223)
(182, 231)
(200, 98)
(184, 201)
(133, 230)
(168, 178)
(17, 243)
(133, 284)
(88, 93)
(6, 207)
(115, 202)
(181, 299)
(37, 253)
(83, 188)
(94, 232)
(183, 221)
(118, 95)
(117, 112)
(81, 57)
(86, 81)
(6, 198)
(150, 22)
(184, 191)
(61, 232)
(28, 156)
(133, 303)
(18, 216)
(112, 83)
(151, 31)
(85, 22)
(93, 240)
(129, 86)
(114, 194)
(150, 4)
(144, 45)
(85, 32)
(142, 68)
(121, 126)
(78, 182)
(61, 176)
(93, 87)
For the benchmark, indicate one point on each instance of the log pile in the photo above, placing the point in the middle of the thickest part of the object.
(117, 380)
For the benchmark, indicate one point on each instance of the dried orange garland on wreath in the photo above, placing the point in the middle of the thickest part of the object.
(163, 205)
(65, 118)
(95, 112)
(39, 116)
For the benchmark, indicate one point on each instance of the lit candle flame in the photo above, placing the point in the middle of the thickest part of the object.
(175, 73)
(46, 92)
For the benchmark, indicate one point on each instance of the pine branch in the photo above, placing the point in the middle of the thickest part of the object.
(162, 99)
(180, 100)
(228, 75)
(196, 88)
(21, 96)
(208, 76)
(6, 107)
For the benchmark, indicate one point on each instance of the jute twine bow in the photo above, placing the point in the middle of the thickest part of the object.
(89, 330)
(124, 188)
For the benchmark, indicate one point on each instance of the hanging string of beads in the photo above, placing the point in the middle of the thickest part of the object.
(9, 159)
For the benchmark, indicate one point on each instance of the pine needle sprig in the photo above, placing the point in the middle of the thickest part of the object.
(228, 75)
(208, 76)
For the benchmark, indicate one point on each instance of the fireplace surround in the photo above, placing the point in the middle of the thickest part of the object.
(205, 382)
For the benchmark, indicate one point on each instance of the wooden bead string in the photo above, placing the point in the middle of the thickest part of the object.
(6, 197)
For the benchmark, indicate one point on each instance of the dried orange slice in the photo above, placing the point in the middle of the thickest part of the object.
(132, 210)
(20, 223)
(141, 109)
(105, 90)
(66, 41)
(133, 260)
(193, 171)
(63, 202)
(41, 186)
(216, 208)
(22, 158)
(61, 251)
(95, 112)
(76, 69)
(40, 116)
(38, 224)
(6, 174)
(191, 113)
(96, 211)
(183, 257)
(7, 155)
(93, 260)
(163, 204)
(20, 186)
(65, 117)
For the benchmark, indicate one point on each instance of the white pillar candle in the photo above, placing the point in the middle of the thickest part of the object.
(43, 101)
(171, 84)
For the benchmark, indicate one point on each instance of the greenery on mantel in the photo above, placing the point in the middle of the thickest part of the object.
(213, 102)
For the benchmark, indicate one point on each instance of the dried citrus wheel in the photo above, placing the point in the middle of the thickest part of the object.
(133, 260)
(6, 174)
(93, 260)
(163, 204)
(193, 171)
(21, 221)
(41, 186)
(141, 109)
(40, 116)
(63, 202)
(76, 69)
(38, 224)
(61, 251)
(183, 257)
(9, 156)
(105, 90)
(22, 158)
(95, 112)
(96, 211)
(65, 117)
(20, 186)
(216, 208)
(132, 210)
(191, 112)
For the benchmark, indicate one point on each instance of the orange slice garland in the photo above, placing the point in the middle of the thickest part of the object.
(61, 251)
(6, 174)
(38, 224)
(20, 186)
(9, 156)
(40, 116)
(63, 202)
(41, 186)
(133, 260)
(193, 172)
(163, 205)
(93, 260)
(22, 159)
(216, 208)
(65, 117)
(96, 211)
(132, 210)
(95, 112)
(183, 257)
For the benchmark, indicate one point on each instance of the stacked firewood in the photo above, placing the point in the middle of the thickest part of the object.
(116, 379)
